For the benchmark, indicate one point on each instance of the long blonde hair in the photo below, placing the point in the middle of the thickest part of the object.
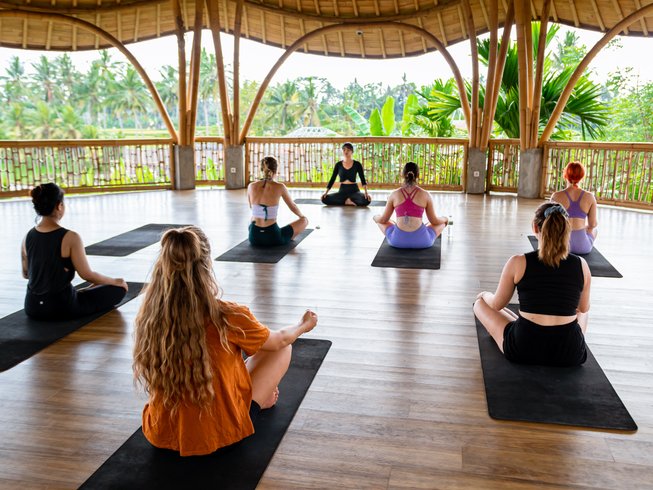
(555, 230)
(171, 359)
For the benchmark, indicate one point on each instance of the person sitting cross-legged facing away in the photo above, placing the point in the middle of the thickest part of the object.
(188, 353)
(554, 298)
(50, 255)
(264, 196)
(409, 203)
(581, 207)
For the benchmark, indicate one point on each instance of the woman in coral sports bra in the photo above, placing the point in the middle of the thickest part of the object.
(581, 207)
(409, 203)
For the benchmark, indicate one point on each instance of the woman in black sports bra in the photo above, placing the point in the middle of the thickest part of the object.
(348, 194)
(50, 256)
(554, 297)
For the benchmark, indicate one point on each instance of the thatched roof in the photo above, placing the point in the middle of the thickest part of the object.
(282, 22)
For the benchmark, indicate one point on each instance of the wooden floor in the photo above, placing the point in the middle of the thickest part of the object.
(399, 401)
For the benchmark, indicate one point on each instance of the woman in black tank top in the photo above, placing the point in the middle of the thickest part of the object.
(50, 255)
(554, 297)
(348, 194)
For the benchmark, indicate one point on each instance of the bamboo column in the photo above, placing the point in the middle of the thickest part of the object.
(474, 121)
(236, 67)
(539, 73)
(522, 18)
(181, 56)
(214, 21)
(195, 61)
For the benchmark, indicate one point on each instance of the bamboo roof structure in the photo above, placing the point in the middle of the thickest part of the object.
(354, 28)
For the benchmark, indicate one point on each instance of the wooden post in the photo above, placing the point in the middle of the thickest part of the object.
(474, 122)
(195, 60)
(214, 20)
(539, 72)
(236, 67)
(520, 16)
(488, 113)
(181, 57)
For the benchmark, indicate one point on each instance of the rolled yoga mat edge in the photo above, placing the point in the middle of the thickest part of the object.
(137, 464)
(246, 252)
(131, 241)
(598, 264)
(409, 258)
(21, 337)
(580, 396)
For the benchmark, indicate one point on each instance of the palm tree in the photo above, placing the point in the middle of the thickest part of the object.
(14, 81)
(44, 79)
(309, 100)
(66, 77)
(208, 89)
(283, 100)
(583, 112)
(43, 120)
(130, 97)
(70, 124)
(167, 88)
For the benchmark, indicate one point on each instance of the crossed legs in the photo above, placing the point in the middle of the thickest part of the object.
(494, 321)
(266, 369)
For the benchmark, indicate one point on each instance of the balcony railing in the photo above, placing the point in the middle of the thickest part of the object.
(84, 165)
(618, 173)
(310, 161)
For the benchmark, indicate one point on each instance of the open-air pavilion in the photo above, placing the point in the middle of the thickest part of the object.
(399, 401)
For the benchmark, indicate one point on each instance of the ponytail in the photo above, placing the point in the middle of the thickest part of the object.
(269, 167)
(411, 172)
(555, 230)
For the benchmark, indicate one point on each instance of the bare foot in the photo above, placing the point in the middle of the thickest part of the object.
(270, 402)
(349, 202)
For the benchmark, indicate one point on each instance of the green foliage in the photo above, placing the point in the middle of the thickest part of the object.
(362, 126)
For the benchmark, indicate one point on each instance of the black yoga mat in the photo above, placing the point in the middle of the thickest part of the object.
(246, 252)
(598, 264)
(409, 258)
(131, 241)
(137, 464)
(21, 337)
(318, 201)
(580, 396)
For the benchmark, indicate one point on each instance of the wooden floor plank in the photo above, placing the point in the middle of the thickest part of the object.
(399, 401)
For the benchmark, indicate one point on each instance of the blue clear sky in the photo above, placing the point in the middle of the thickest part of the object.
(257, 60)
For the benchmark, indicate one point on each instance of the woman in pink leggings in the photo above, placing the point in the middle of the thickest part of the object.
(409, 203)
(581, 207)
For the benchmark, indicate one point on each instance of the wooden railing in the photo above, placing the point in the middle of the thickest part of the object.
(617, 173)
(209, 160)
(309, 161)
(85, 165)
(503, 165)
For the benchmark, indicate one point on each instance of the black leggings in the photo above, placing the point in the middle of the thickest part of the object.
(346, 191)
(70, 303)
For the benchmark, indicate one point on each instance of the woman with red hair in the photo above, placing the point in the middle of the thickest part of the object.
(581, 207)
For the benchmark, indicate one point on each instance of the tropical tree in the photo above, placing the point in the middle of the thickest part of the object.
(584, 112)
(43, 121)
(283, 102)
(44, 82)
(14, 81)
(427, 117)
(167, 88)
(130, 97)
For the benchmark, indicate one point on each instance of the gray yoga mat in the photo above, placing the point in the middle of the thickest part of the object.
(21, 337)
(131, 241)
(409, 258)
(139, 465)
(581, 396)
(318, 201)
(598, 264)
(246, 252)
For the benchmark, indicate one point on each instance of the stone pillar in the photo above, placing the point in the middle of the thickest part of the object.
(530, 173)
(234, 163)
(476, 171)
(184, 177)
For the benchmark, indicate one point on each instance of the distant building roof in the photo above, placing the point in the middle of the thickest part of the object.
(311, 131)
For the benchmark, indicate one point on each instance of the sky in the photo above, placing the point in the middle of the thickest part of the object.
(257, 59)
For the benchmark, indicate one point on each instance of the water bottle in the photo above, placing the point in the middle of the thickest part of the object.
(449, 225)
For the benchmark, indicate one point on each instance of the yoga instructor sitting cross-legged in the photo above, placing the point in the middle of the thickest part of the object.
(554, 298)
(347, 170)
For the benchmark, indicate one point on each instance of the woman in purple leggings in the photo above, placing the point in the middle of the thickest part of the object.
(581, 207)
(409, 203)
